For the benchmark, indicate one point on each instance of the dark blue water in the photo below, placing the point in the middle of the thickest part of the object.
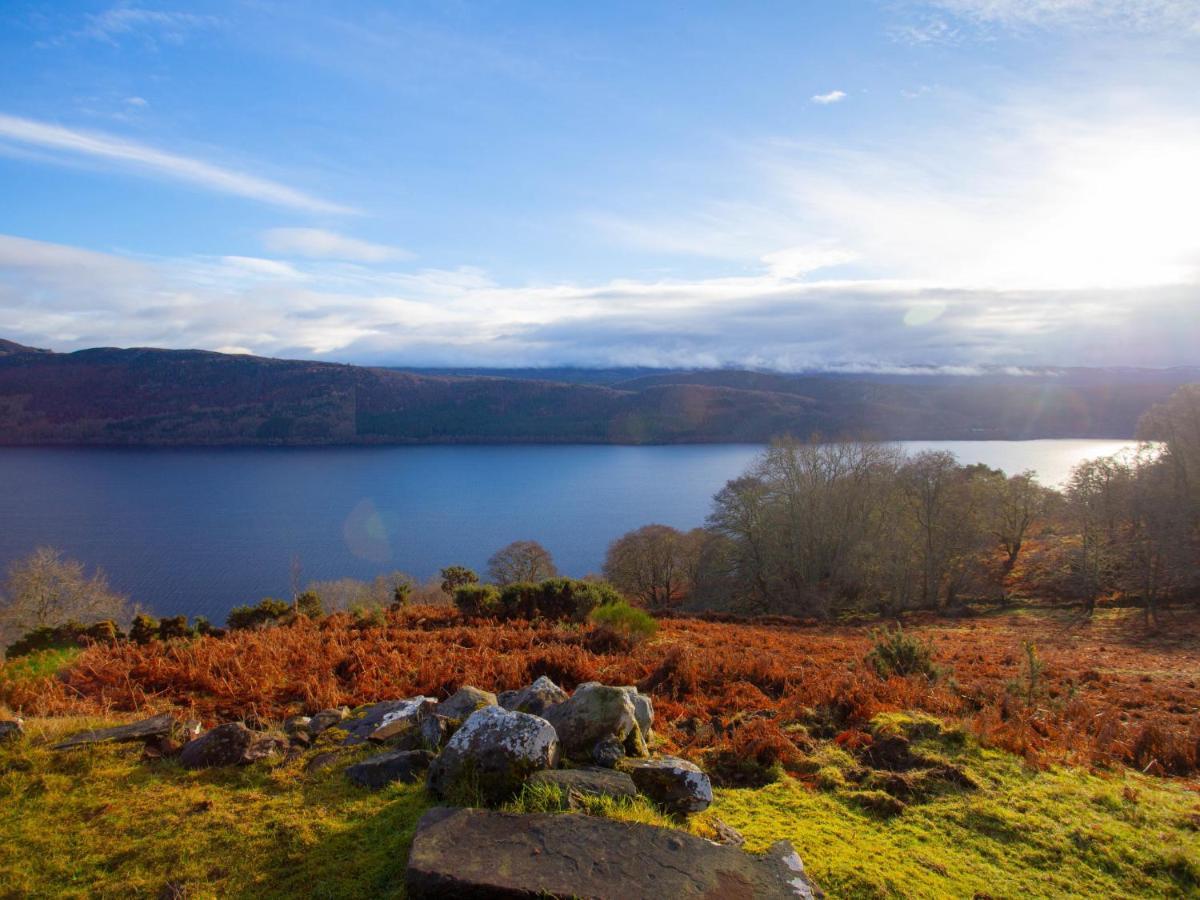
(199, 531)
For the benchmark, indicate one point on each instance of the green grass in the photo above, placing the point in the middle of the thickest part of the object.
(1024, 833)
(37, 665)
(101, 823)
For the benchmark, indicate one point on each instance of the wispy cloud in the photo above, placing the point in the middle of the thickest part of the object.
(124, 20)
(146, 160)
(317, 243)
(831, 97)
(1147, 15)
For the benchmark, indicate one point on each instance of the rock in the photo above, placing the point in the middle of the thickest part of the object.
(435, 730)
(11, 730)
(608, 752)
(231, 744)
(322, 761)
(386, 720)
(326, 718)
(535, 698)
(396, 765)
(294, 725)
(492, 755)
(675, 784)
(726, 834)
(591, 782)
(150, 729)
(592, 714)
(477, 853)
(464, 702)
(643, 711)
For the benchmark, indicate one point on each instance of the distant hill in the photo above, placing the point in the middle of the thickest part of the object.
(193, 397)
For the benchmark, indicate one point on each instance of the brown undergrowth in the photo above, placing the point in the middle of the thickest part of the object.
(1042, 683)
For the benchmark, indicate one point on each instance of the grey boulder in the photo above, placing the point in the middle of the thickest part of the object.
(11, 730)
(492, 755)
(326, 718)
(589, 782)
(231, 744)
(597, 713)
(465, 701)
(676, 785)
(376, 772)
(534, 698)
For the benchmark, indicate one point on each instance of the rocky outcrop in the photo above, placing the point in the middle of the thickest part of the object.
(492, 755)
(465, 701)
(406, 766)
(231, 744)
(152, 729)
(597, 724)
(534, 698)
(589, 782)
(474, 853)
(676, 785)
(11, 730)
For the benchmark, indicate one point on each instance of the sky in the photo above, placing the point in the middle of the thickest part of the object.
(852, 186)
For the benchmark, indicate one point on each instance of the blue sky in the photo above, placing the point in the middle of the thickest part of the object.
(851, 185)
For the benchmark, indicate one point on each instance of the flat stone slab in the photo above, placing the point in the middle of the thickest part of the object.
(477, 853)
(387, 718)
(592, 781)
(377, 772)
(146, 730)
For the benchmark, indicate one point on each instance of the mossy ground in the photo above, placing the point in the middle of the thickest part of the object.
(100, 822)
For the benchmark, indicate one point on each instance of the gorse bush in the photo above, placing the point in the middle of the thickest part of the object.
(477, 599)
(555, 599)
(897, 653)
(63, 637)
(267, 611)
(635, 624)
(144, 629)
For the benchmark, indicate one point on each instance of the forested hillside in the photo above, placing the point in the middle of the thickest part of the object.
(178, 397)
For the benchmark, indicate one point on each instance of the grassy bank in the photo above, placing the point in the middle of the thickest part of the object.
(101, 822)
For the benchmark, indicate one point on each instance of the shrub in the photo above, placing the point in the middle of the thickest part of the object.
(477, 599)
(47, 637)
(309, 604)
(401, 594)
(557, 599)
(896, 653)
(620, 626)
(266, 611)
(105, 632)
(174, 627)
(144, 629)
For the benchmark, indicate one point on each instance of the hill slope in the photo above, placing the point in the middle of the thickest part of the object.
(185, 397)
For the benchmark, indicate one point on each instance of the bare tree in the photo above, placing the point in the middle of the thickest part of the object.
(654, 564)
(46, 590)
(521, 561)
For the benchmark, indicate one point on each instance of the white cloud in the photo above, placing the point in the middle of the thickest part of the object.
(148, 160)
(67, 298)
(317, 243)
(137, 101)
(831, 97)
(267, 268)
